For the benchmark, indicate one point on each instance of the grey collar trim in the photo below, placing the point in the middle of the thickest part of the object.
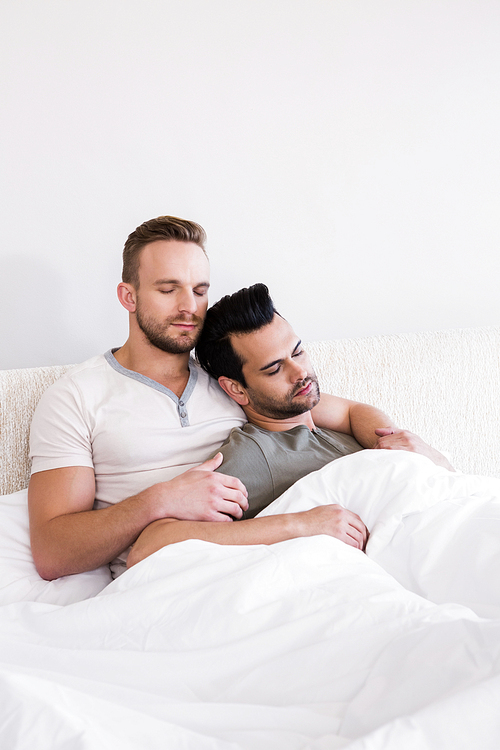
(193, 378)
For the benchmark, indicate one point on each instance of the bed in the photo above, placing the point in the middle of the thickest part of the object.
(306, 644)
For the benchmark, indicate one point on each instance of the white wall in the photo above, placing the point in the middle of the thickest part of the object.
(345, 152)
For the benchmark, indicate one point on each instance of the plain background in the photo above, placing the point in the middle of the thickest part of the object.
(345, 152)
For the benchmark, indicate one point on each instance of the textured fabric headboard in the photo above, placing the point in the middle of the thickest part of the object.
(444, 386)
(20, 391)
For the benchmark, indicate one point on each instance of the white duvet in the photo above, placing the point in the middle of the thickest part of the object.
(307, 644)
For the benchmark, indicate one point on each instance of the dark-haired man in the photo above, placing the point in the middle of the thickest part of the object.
(259, 361)
(261, 364)
(122, 440)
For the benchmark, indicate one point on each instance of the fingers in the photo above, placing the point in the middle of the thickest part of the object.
(202, 494)
(393, 440)
(349, 527)
(357, 537)
(211, 464)
(229, 510)
(232, 502)
(225, 509)
(226, 495)
(383, 431)
(222, 486)
(227, 481)
(233, 483)
(356, 533)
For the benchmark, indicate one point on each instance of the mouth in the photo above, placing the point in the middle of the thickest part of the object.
(306, 390)
(183, 325)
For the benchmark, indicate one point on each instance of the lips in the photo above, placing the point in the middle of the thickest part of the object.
(185, 325)
(305, 390)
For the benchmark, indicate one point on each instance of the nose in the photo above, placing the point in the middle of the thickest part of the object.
(297, 371)
(188, 302)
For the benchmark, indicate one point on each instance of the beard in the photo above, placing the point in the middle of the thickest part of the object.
(287, 406)
(155, 332)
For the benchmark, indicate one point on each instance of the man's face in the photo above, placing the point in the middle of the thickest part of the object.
(172, 297)
(281, 382)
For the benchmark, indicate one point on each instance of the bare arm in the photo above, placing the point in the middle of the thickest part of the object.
(371, 428)
(68, 536)
(326, 519)
(351, 417)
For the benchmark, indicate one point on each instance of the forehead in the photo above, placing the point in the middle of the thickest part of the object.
(275, 341)
(174, 261)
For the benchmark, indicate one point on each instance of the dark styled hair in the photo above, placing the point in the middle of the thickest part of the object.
(242, 312)
(162, 228)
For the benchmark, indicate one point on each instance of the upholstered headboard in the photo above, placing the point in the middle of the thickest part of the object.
(444, 386)
(20, 391)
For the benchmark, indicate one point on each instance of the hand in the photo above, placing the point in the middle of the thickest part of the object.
(334, 520)
(403, 440)
(201, 494)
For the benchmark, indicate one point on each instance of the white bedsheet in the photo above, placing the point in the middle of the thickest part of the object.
(306, 644)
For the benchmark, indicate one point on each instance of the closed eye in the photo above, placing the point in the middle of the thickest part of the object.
(274, 372)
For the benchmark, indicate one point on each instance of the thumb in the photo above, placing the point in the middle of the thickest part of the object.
(383, 431)
(211, 464)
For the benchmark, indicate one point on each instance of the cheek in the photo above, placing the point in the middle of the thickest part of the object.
(202, 307)
(280, 389)
(264, 390)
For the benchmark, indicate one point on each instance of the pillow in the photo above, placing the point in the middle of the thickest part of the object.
(19, 580)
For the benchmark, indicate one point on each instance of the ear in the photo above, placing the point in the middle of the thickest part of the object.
(234, 390)
(127, 296)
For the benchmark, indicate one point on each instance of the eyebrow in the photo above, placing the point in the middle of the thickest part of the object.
(176, 282)
(279, 361)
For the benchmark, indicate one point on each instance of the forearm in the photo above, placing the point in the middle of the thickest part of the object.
(267, 530)
(333, 520)
(364, 420)
(81, 541)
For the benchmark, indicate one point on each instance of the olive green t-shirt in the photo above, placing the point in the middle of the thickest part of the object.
(268, 463)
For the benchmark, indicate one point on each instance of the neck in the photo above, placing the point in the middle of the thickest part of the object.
(278, 425)
(170, 370)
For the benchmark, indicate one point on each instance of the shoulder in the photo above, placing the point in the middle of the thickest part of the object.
(75, 376)
(249, 445)
(80, 391)
(243, 443)
(93, 367)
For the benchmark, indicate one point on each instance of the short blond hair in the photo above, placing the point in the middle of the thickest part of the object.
(162, 228)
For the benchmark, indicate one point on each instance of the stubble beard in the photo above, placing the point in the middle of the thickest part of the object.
(288, 406)
(155, 333)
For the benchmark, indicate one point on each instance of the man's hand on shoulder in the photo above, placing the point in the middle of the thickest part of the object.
(202, 494)
(403, 440)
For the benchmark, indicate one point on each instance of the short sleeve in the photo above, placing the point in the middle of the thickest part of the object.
(244, 459)
(60, 434)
